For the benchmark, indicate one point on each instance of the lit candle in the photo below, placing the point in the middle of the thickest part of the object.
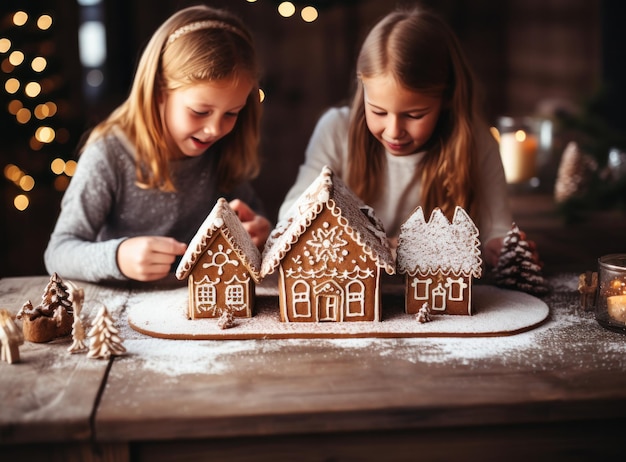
(518, 151)
(611, 304)
(616, 300)
(616, 306)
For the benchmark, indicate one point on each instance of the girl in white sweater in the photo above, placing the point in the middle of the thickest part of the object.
(413, 135)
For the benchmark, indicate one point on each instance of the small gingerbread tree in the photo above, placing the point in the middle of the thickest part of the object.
(518, 267)
(104, 339)
(50, 319)
(423, 315)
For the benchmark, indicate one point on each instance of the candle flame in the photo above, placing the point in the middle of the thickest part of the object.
(520, 135)
(495, 133)
(618, 286)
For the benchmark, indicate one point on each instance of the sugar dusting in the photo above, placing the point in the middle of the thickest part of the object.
(564, 333)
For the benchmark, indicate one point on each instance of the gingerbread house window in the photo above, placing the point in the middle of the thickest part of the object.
(421, 288)
(234, 295)
(205, 295)
(356, 297)
(455, 289)
(439, 298)
(301, 300)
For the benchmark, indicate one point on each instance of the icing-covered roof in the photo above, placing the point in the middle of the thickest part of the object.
(438, 244)
(329, 191)
(221, 219)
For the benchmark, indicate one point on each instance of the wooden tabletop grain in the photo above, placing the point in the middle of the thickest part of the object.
(165, 398)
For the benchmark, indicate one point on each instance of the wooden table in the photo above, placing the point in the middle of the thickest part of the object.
(557, 392)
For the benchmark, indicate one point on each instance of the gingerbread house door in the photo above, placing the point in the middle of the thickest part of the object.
(329, 301)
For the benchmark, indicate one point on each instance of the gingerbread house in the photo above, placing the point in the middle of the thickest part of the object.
(331, 250)
(221, 265)
(439, 258)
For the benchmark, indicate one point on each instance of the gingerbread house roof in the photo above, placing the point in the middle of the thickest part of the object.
(438, 245)
(329, 191)
(222, 219)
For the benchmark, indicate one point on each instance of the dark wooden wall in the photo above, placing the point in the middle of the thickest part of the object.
(530, 56)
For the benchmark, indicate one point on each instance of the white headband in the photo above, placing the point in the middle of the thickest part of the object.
(208, 24)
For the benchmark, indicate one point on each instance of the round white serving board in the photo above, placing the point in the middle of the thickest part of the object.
(497, 312)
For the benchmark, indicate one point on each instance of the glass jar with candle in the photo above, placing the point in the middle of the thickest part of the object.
(518, 149)
(611, 305)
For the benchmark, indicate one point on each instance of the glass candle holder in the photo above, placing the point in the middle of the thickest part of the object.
(611, 305)
(518, 149)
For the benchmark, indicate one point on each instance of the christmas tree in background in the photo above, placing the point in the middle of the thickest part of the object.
(518, 267)
(37, 116)
(592, 171)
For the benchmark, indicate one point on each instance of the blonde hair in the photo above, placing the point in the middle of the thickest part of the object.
(418, 49)
(195, 45)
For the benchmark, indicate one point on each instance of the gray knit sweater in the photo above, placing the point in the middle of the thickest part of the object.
(103, 206)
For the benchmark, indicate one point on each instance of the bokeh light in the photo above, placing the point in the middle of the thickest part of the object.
(286, 9)
(32, 89)
(309, 13)
(38, 64)
(20, 18)
(44, 22)
(21, 202)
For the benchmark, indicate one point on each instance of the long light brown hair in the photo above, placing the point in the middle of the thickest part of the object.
(419, 50)
(195, 45)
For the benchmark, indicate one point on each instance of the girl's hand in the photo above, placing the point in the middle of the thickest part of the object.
(148, 258)
(258, 226)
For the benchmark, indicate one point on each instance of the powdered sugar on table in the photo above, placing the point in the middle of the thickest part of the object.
(566, 332)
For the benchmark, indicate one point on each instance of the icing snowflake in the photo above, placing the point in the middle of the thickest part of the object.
(327, 244)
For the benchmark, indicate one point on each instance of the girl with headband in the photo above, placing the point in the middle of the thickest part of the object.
(150, 173)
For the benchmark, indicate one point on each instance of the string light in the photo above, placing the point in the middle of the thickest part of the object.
(70, 167)
(39, 109)
(16, 58)
(20, 18)
(5, 45)
(23, 116)
(12, 85)
(14, 106)
(44, 22)
(21, 202)
(32, 89)
(38, 64)
(286, 9)
(45, 134)
(309, 13)
(57, 166)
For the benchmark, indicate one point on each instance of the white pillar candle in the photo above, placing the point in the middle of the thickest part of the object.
(518, 151)
(616, 307)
